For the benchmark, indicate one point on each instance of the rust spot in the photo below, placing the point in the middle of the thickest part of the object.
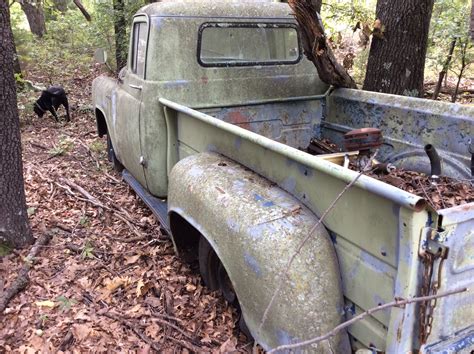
(239, 119)
(399, 330)
(204, 79)
(220, 190)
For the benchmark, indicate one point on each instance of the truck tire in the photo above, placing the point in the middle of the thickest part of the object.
(116, 164)
(208, 264)
(215, 277)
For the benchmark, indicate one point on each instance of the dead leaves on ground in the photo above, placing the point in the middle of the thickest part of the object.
(98, 286)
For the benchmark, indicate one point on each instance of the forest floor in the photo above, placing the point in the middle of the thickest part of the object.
(108, 280)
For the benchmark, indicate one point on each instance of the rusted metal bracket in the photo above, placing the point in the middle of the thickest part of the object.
(429, 244)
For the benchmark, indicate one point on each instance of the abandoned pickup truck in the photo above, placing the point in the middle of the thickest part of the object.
(209, 122)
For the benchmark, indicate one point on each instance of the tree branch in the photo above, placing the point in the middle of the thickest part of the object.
(23, 279)
(316, 46)
(83, 10)
(395, 303)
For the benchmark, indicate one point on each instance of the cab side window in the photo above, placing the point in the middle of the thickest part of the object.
(139, 48)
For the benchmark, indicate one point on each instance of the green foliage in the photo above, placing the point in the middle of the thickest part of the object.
(65, 303)
(97, 146)
(450, 20)
(5, 249)
(64, 145)
(341, 17)
(88, 251)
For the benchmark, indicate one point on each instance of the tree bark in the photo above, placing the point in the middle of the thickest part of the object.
(33, 10)
(316, 47)
(83, 10)
(14, 227)
(16, 61)
(316, 4)
(398, 51)
(120, 25)
(472, 21)
(61, 5)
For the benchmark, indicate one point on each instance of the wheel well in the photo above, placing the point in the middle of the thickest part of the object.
(186, 236)
(101, 123)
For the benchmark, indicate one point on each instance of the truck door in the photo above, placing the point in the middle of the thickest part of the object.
(128, 102)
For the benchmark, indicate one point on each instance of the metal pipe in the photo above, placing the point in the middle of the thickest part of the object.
(435, 161)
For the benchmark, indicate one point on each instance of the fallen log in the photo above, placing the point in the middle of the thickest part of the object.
(23, 279)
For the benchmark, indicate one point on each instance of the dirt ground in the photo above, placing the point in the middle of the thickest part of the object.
(108, 280)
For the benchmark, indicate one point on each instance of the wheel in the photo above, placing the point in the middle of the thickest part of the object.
(226, 285)
(208, 264)
(116, 164)
(215, 277)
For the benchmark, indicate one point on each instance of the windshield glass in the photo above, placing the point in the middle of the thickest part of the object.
(239, 44)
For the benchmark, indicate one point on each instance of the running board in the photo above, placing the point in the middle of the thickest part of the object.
(158, 206)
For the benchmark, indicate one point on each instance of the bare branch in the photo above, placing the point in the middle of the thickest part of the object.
(395, 303)
(82, 9)
(316, 46)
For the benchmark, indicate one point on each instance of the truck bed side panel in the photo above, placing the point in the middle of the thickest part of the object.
(383, 234)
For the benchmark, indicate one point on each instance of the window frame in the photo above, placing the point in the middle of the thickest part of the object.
(248, 25)
(137, 21)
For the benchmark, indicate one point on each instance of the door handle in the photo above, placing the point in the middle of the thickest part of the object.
(136, 87)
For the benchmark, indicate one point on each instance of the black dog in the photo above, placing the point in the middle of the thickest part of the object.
(50, 100)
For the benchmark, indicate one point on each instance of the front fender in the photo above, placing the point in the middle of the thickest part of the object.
(255, 227)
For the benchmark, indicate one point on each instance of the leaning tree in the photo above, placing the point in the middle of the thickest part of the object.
(14, 227)
(399, 44)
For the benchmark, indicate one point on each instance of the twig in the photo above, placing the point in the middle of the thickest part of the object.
(38, 145)
(396, 303)
(94, 201)
(23, 279)
(310, 233)
(426, 195)
(190, 347)
(89, 152)
(135, 330)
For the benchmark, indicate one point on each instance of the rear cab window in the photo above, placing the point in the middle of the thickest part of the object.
(140, 35)
(248, 44)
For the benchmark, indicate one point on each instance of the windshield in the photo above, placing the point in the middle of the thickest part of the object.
(240, 44)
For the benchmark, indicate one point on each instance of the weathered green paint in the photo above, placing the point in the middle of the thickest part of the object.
(254, 227)
(367, 225)
(258, 117)
(176, 75)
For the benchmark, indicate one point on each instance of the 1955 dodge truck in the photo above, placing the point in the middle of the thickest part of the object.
(208, 122)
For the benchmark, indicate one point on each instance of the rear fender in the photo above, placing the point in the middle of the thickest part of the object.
(255, 227)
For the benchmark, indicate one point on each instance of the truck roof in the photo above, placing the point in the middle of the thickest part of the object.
(221, 8)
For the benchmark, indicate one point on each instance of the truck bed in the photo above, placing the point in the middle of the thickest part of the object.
(375, 227)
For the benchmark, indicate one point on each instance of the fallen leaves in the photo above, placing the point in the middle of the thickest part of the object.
(89, 269)
(443, 193)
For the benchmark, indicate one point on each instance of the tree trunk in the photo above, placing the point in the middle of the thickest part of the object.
(472, 21)
(16, 61)
(464, 65)
(316, 4)
(14, 227)
(33, 10)
(61, 5)
(83, 10)
(398, 51)
(120, 26)
(316, 47)
(445, 70)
